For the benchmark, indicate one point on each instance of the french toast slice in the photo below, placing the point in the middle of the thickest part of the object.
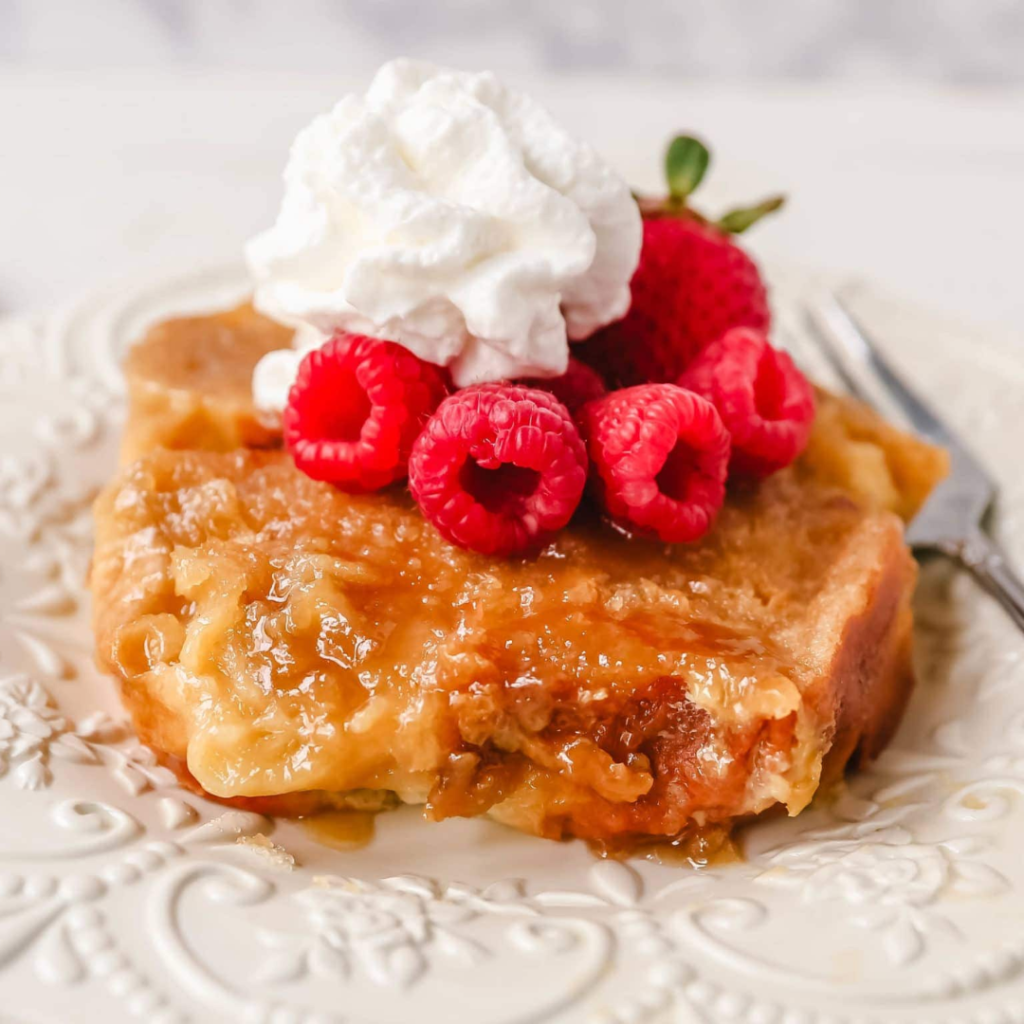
(290, 647)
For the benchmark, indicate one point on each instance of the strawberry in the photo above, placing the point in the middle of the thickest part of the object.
(693, 282)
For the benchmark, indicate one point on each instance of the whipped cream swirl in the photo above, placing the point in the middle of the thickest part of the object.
(451, 214)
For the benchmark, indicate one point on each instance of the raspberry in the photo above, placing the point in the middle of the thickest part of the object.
(355, 409)
(659, 456)
(764, 400)
(577, 386)
(498, 468)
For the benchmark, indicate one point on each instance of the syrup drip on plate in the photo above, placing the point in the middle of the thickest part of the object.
(341, 830)
(699, 847)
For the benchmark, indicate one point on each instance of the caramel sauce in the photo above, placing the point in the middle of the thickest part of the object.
(696, 847)
(341, 830)
(280, 636)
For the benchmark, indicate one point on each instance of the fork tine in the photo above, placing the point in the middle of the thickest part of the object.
(826, 345)
(832, 321)
(951, 520)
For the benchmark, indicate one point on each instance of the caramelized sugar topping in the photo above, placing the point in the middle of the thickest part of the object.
(282, 636)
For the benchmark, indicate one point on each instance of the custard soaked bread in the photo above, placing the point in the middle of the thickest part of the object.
(279, 636)
(190, 383)
(854, 449)
(289, 646)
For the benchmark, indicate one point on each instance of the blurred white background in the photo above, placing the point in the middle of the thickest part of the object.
(149, 135)
(960, 41)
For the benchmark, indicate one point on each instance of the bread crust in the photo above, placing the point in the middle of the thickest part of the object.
(872, 675)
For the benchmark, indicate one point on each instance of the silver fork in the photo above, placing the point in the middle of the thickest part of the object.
(951, 520)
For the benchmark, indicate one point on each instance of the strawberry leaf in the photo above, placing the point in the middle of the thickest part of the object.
(686, 161)
(737, 221)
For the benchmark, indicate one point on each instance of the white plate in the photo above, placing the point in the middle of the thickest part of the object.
(122, 897)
